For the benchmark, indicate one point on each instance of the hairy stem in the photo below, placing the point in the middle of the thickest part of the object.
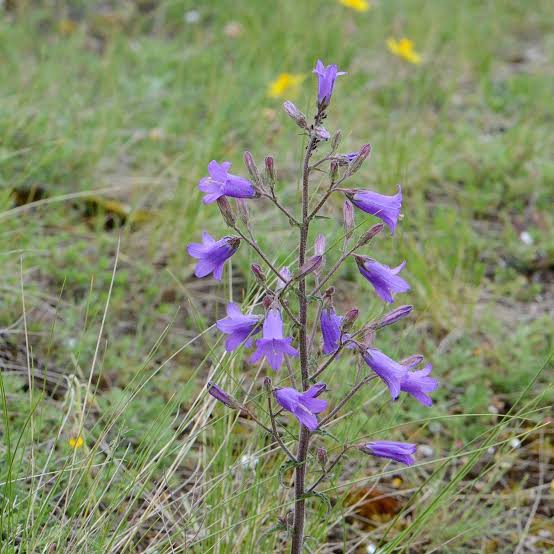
(276, 432)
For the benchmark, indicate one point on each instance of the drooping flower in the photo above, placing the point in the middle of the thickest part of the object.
(387, 208)
(239, 327)
(212, 254)
(385, 280)
(404, 48)
(222, 183)
(418, 384)
(303, 405)
(273, 346)
(326, 81)
(285, 84)
(391, 372)
(357, 5)
(331, 329)
(398, 451)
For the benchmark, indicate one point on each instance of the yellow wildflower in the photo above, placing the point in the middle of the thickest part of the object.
(404, 48)
(76, 442)
(358, 5)
(285, 84)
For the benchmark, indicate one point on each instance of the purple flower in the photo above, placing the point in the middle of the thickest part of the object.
(222, 183)
(398, 451)
(239, 327)
(331, 325)
(273, 346)
(219, 394)
(386, 208)
(391, 372)
(385, 280)
(286, 276)
(212, 254)
(303, 405)
(418, 384)
(392, 317)
(326, 81)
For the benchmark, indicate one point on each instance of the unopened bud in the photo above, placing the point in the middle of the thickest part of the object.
(348, 217)
(335, 143)
(349, 318)
(267, 384)
(321, 133)
(412, 361)
(311, 265)
(252, 168)
(267, 302)
(319, 245)
(328, 294)
(294, 113)
(392, 317)
(258, 273)
(220, 395)
(357, 162)
(322, 458)
(243, 212)
(226, 211)
(334, 171)
(369, 234)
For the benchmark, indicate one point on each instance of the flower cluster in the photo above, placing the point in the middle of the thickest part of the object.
(281, 330)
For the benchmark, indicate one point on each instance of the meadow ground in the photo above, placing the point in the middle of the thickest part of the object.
(109, 113)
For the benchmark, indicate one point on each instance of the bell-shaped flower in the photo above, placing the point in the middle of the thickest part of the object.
(212, 254)
(398, 451)
(239, 327)
(385, 280)
(273, 346)
(303, 405)
(222, 183)
(386, 208)
(331, 330)
(418, 384)
(391, 372)
(326, 82)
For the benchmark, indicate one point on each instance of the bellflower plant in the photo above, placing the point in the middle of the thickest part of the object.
(297, 301)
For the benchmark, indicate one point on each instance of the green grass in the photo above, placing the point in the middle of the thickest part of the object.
(131, 105)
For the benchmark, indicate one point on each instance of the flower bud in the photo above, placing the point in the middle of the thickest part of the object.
(348, 217)
(349, 318)
(252, 168)
(321, 133)
(270, 170)
(322, 458)
(243, 212)
(360, 158)
(334, 170)
(392, 317)
(319, 245)
(328, 294)
(294, 113)
(368, 235)
(258, 273)
(312, 264)
(412, 361)
(267, 384)
(220, 395)
(226, 211)
(267, 302)
(337, 138)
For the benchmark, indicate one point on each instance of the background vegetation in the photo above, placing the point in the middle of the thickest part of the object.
(109, 113)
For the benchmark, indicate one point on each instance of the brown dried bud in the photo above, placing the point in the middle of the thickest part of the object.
(360, 158)
(226, 211)
(322, 458)
(328, 294)
(258, 273)
(267, 384)
(294, 113)
(270, 170)
(334, 171)
(368, 235)
(252, 168)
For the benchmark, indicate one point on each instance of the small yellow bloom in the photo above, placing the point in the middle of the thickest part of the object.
(76, 442)
(285, 84)
(358, 5)
(66, 27)
(404, 48)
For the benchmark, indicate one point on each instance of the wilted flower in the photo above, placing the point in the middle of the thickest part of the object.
(212, 254)
(285, 84)
(385, 280)
(357, 5)
(239, 327)
(398, 451)
(273, 346)
(222, 183)
(326, 82)
(303, 405)
(388, 370)
(382, 206)
(418, 384)
(404, 48)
